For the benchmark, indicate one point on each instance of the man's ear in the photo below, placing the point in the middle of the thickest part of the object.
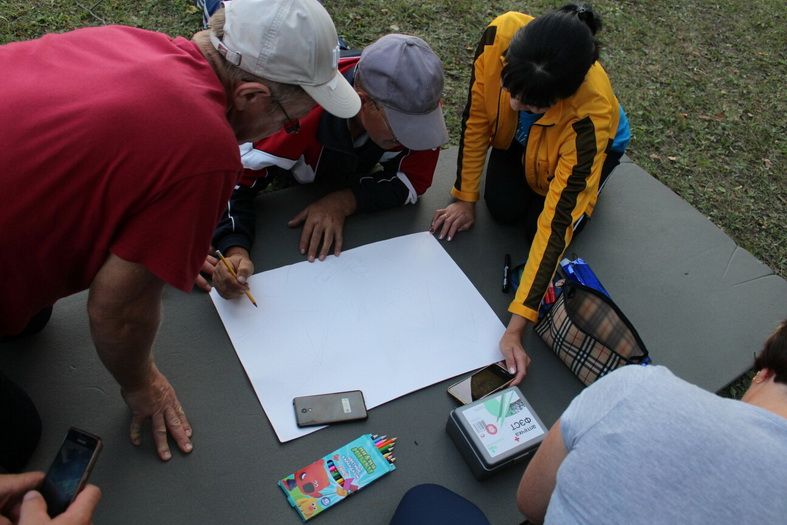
(766, 373)
(363, 95)
(247, 94)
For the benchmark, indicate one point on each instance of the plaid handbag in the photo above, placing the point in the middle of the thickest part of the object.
(589, 333)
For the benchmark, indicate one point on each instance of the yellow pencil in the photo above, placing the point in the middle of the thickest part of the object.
(235, 275)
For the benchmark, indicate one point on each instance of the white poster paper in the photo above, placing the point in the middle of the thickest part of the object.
(387, 318)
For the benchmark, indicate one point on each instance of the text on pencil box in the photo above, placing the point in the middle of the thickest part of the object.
(365, 459)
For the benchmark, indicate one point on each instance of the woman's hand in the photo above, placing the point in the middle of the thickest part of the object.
(456, 217)
(513, 350)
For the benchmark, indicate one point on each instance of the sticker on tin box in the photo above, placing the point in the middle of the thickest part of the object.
(503, 422)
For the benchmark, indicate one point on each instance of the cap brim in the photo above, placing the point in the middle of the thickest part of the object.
(418, 132)
(337, 96)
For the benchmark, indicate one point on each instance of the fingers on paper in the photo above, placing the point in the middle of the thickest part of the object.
(338, 241)
(312, 235)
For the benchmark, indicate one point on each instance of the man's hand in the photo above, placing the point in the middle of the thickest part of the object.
(157, 400)
(208, 267)
(456, 217)
(12, 488)
(226, 284)
(512, 349)
(124, 306)
(323, 223)
(20, 504)
(80, 512)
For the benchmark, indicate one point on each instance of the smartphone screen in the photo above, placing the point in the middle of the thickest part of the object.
(329, 408)
(482, 383)
(70, 470)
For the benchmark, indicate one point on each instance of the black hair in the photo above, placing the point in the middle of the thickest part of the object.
(774, 354)
(548, 58)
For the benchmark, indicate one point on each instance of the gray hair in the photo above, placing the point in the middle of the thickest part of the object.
(233, 75)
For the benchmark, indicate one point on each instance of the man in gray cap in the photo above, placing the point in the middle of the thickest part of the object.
(399, 128)
(125, 153)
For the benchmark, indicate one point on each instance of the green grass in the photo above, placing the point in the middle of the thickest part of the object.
(737, 388)
(21, 20)
(702, 82)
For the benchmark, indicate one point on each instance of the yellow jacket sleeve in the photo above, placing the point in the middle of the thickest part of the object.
(474, 141)
(575, 184)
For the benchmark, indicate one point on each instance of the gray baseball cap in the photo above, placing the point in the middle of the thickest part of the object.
(288, 41)
(404, 76)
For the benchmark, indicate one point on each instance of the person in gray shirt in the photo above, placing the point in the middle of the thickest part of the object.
(643, 446)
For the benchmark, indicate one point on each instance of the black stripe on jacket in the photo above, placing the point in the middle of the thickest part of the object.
(488, 38)
(561, 221)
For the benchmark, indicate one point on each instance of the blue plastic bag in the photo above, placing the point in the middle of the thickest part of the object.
(579, 271)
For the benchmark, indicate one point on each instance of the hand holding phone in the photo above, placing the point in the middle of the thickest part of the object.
(33, 508)
(486, 381)
(70, 470)
(323, 409)
(13, 488)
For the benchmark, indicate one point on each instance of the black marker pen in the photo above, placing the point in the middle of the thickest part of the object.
(507, 273)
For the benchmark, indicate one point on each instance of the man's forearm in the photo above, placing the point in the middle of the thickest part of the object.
(124, 340)
(124, 306)
(344, 201)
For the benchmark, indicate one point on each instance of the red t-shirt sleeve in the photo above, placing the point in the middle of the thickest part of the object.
(170, 234)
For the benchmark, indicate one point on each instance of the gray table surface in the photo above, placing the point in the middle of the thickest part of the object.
(701, 304)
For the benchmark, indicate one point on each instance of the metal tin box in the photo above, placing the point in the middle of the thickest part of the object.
(496, 431)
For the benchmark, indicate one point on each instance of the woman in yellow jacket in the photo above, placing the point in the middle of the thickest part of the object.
(541, 100)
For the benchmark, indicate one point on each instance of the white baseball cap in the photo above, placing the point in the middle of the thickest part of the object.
(288, 41)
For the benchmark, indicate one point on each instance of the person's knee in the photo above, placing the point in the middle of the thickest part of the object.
(39, 321)
(436, 505)
(35, 325)
(505, 191)
(503, 209)
(20, 426)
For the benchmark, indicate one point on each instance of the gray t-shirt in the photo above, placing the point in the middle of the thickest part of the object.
(647, 447)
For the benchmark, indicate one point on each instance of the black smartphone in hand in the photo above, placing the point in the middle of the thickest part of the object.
(329, 408)
(70, 470)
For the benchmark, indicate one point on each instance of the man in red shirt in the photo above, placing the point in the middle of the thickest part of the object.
(125, 153)
(399, 129)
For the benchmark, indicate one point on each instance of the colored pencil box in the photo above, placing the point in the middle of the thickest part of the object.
(335, 477)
